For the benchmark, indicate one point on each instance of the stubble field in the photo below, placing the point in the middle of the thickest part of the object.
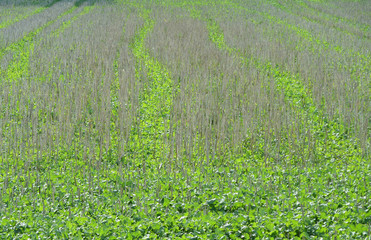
(225, 119)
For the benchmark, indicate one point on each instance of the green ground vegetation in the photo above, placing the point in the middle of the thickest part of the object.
(185, 119)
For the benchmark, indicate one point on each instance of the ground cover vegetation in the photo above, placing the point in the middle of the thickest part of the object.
(185, 119)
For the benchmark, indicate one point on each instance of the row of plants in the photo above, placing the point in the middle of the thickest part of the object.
(306, 85)
(20, 44)
(16, 18)
(114, 152)
(296, 94)
(361, 59)
(358, 164)
(18, 68)
(348, 69)
(299, 97)
(20, 201)
(331, 15)
(312, 15)
(306, 41)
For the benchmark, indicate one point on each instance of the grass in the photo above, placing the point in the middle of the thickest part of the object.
(186, 120)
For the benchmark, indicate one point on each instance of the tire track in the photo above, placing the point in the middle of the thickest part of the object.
(155, 100)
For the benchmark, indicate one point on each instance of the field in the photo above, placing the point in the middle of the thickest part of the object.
(184, 119)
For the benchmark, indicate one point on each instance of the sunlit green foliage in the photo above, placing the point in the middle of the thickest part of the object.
(150, 120)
